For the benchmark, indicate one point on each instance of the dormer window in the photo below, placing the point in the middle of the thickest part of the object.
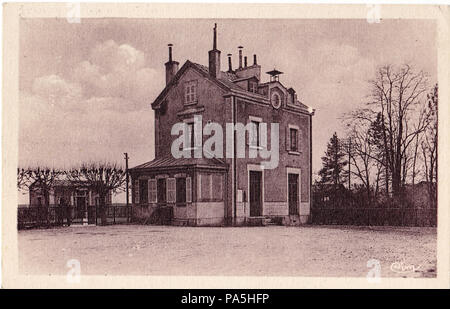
(253, 86)
(190, 92)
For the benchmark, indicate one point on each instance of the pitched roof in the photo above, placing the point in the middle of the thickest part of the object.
(170, 162)
(225, 81)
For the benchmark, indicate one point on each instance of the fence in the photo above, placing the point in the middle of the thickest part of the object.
(34, 217)
(375, 216)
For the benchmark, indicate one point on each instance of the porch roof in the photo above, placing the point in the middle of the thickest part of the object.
(168, 162)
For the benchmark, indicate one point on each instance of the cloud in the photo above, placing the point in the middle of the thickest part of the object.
(114, 70)
(95, 113)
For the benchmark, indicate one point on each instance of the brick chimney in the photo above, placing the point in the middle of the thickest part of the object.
(171, 66)
(230, 66)
(240, 56)
(214, 57)
(245, 70)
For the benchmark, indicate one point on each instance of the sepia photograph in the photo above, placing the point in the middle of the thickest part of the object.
(212, 144)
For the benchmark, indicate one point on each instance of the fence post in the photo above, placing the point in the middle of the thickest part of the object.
(114, 214)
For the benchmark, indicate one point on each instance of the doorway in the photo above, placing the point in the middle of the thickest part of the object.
(293, 193)
(81, 206)
(255, 193)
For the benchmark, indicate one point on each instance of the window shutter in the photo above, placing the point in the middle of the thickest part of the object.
(136, 191)
(188, 190)
(171, 189)
(152, 190)
(299, 140)
(199, 187)
(288, 138)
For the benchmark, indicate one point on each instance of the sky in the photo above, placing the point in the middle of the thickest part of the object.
(86, 88)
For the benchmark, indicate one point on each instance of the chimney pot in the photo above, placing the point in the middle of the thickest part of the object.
(170, 52)
(215, 37)
(230, 67)
(245, 61)
(240, 56)
(254, 60)
(171, 66)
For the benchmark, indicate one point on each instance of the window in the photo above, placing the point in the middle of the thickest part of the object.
(143, 190)
(136, 191)
(254, 136)
(293, 135)
(275, 100)
(217, 183)
(188, 190)
(181, 191)
(252, 86)
(190, 134)
(293, 138)
(205, 186)
(161, 190)
(152, 191)
(190, 92)
(210, 187)
(189, 142)
(171, 190)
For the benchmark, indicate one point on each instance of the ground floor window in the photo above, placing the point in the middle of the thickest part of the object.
(181, 191)
(171, 190)
(210, 187)
(161, 188)
(152, 191)
(143, 190)
(164, 190)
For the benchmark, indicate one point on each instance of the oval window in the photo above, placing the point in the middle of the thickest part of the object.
(276, 100)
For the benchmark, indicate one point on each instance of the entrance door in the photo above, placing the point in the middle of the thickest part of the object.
(81, 206)
(293, 193)
(255, 193)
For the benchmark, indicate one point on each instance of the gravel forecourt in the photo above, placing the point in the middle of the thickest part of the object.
(331, 251)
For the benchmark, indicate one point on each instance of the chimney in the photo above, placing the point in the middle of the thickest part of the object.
(240, 56)
(245, 61)
(230, 67)
(254, 60)
(171, 66)
(214, 57)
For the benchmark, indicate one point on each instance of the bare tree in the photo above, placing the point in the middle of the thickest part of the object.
(396, 99)
(42, 178)
(429, 146)
(361, 154)
(23, 179)
(101, 178)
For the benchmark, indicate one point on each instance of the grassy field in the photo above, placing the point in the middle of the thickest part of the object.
(267, 251)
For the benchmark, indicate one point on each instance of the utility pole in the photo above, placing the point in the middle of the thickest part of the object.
(126, 174)
(349, 158)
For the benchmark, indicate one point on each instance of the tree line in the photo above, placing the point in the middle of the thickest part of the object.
(390, 142)
(100, 178)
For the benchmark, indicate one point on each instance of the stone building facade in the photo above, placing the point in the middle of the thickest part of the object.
(223, 189)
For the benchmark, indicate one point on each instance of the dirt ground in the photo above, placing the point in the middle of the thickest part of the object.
(269, 251)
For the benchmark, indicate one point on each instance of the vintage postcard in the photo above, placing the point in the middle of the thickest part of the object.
(225, 146)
